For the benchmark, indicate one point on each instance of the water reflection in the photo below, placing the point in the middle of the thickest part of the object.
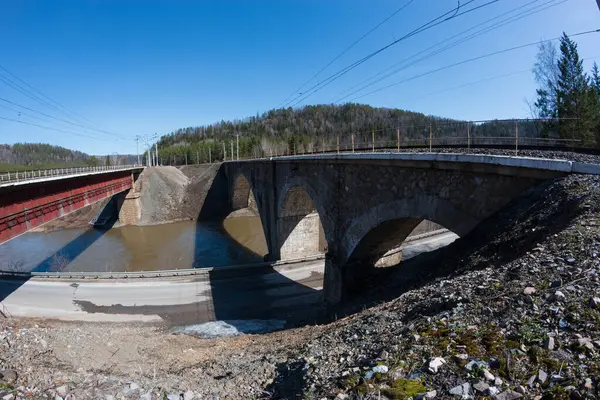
(142, 248)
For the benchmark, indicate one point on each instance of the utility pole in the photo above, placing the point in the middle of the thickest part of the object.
(224, 152)
(238, 145)
(430, 138)
(373, 140)
(137, 148)
(231, 143)
(156, 148)
(516, 137)
(209, 156)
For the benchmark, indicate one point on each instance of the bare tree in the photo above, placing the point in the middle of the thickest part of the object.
(15, 266)
(59, 263)
(546, 72)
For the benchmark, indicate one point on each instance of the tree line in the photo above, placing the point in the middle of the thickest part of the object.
(27, 156)
(321, 128)
(567, 94)
(33, 156)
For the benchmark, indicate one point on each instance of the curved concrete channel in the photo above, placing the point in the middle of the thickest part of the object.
(264, 291)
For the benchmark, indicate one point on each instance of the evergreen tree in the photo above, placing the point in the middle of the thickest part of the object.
(107, 161)
(594, 93)
(574, 108)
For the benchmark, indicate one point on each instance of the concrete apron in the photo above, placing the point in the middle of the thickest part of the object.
(287, 292)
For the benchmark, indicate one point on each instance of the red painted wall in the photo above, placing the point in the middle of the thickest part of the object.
(27, 206)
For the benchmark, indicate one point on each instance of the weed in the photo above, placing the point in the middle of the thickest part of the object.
(403, 388)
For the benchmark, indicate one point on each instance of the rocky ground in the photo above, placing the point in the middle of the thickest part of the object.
(510, 311)
(554, 154)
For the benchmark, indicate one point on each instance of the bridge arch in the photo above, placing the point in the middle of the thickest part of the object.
(300, 230)
(385, 227)
(242, 194)
(398, 218)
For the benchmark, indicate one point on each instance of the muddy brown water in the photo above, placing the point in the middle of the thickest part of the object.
(179, 245)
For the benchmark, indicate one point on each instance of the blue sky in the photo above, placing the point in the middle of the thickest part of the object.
(140, 67)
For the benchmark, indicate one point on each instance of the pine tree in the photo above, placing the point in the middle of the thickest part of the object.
(594, 94)
(574, 108)
(596, 78)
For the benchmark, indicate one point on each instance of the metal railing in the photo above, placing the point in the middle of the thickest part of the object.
(512, 135)
(18, 176)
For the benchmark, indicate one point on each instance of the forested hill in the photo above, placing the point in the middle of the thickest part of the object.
(316, 128)
(323, 121)
(26, 156)
(288, 130)
(38, 154)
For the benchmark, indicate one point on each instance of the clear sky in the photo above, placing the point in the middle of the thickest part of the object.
(140, 67)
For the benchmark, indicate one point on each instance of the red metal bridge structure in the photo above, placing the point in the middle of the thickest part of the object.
(33, 199)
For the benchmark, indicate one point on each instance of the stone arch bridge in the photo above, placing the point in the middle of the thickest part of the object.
(356, 207)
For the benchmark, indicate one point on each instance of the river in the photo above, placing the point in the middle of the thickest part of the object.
(138, 248)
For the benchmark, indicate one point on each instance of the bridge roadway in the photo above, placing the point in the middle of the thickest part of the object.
(235, 294)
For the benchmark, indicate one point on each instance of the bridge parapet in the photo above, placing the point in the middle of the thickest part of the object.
(20, 177)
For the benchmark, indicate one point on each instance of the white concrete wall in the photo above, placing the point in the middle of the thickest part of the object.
(305, 238)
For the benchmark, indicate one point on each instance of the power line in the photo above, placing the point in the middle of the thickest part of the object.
(44, 114)
(491, 78)
(476, 82)
(48, 103)
(456, 43)
(52, 129)
(345, 70)
(347, 49)
(467, 61)
(423, 28)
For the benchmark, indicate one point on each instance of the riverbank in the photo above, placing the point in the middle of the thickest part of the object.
(509, 311)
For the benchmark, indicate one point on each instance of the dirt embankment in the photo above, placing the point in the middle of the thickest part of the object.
(169, 194)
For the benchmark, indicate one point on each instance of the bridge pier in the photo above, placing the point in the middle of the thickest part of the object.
(333, 280)
(130, 210)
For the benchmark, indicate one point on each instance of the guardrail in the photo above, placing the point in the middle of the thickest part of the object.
(19, 176)
(152, 274)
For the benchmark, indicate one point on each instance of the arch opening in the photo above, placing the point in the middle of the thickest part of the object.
(243, 224)
(391, 242)
(300, 230)
(242, 196)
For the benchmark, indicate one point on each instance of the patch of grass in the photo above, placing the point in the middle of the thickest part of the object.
(530, 332)
(469, 340)
(556, 392)
(6, 386)
(540, 358)
(350, 382)
(492, 341)
(403, 388)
